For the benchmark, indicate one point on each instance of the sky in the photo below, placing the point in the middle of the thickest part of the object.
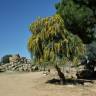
(15, 18)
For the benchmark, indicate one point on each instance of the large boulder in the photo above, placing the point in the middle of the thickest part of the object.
(84, 74)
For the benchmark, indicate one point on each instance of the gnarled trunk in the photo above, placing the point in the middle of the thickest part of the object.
(60, 74)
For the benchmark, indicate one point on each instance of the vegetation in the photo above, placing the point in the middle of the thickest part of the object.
(61, 38)
(5, 59)
(51, 42)
(79, 17)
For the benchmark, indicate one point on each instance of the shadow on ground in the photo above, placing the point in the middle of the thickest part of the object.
(69, 81)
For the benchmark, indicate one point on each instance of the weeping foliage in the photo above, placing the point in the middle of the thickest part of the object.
(51, 41)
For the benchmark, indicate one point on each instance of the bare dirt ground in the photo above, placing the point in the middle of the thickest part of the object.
(33, 84)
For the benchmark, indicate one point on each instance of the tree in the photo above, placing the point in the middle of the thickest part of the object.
(79, 17)
(5, 59)
(50, 42)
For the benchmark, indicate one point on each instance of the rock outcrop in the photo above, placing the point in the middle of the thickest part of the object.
(19, 67)
(14, 58)
(18, 63)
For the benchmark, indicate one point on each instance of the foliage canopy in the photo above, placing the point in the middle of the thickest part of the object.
(51, 41)
(79, 17)
(5, 59)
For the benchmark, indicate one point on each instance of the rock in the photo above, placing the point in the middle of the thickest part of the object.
(84, 74)
(35, 68)
(87, 84)
(2, 70)
(71, 86)
(14, 58)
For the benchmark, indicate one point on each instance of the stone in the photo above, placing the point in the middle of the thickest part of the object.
(87, 84)
(14, 59)
(35, 68)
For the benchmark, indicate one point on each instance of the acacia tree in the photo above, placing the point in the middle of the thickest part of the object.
(50, 41)
(79, 17)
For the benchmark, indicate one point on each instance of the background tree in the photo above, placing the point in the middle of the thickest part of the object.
(51, 42)
(79, 17)
(5, 59)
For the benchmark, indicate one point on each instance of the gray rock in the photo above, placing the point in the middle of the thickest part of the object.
(87, 84)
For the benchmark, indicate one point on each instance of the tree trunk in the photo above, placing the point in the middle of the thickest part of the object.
(60, 74)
